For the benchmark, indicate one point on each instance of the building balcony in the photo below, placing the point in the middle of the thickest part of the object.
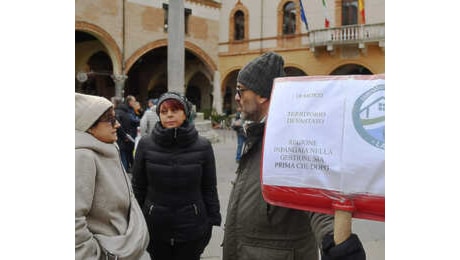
(360, 34)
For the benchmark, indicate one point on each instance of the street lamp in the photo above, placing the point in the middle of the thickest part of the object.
(82, 76)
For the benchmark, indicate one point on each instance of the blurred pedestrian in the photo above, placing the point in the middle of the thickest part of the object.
(237, 125)
(138, 110)
(174, 180)
(108, 220)
(255, 229)
(150, 118)
(129, 122)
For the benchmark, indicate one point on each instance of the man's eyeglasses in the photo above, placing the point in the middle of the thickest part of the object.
(240, 90)
(112, 120)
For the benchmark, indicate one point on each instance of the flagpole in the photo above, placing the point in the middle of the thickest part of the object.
(361, 11)
(326, 19)
(303, 16)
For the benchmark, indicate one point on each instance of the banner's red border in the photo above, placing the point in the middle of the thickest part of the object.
(325, 201)
(320, 200)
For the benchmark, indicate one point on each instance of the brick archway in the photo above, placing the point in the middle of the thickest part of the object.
(107, 40)
(209, 63)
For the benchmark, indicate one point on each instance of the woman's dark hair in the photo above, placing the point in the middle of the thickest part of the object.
(172, 104)
(186, 104)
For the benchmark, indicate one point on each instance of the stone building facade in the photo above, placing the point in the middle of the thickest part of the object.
(121, 45)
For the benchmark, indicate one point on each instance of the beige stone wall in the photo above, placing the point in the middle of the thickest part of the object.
(144, 24)
(204, 33)
(106, 14)
(323, 63)
(209, 30)
(295, 49)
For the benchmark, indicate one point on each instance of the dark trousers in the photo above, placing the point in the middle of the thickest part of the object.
(127, 158)
(163, 250)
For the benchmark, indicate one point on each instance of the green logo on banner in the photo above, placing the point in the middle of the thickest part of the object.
(369, 116)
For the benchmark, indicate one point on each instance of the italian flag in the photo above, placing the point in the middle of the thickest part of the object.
(361, 10)
(326, 20)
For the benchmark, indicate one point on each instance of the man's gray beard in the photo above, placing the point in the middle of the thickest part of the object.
(243, 115)
(246, 122)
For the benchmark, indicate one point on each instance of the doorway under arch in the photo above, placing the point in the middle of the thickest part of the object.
(351, 69)
(96, 58)
(148, 78)
(99, 81)
(199, 92)
(228, 102)
(293, 71)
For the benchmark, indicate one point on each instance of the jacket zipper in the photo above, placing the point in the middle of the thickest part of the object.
(196, 209)
(151, 208)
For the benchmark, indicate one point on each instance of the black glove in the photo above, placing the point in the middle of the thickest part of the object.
(350, 249)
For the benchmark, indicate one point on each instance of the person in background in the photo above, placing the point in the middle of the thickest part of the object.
(129, 122)
(255, 229)
(237, 125)
(150, 118)
(175, 182)
(138, 110)
(116, 101)
(108, 220)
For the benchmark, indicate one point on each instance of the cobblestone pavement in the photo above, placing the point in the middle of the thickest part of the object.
(371, 233)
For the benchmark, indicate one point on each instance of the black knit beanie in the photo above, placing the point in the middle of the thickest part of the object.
(174, 95)
(258, 74)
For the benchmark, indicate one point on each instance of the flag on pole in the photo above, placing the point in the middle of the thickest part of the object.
(361, 10)
(302, 15)
(326, 20)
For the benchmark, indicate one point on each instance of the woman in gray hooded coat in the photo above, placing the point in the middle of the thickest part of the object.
(108, 220)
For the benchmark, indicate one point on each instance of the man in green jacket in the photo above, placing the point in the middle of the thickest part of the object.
(255, 229)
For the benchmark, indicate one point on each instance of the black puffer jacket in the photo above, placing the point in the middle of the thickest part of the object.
(129, 123)
(174, 181)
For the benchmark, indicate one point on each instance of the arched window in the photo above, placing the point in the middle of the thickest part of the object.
(349, 12)
(239, 25)
(289, 18)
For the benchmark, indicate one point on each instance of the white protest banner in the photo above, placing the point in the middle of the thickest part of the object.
(324, 144)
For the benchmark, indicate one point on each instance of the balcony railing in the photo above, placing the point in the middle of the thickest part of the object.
(350, 34)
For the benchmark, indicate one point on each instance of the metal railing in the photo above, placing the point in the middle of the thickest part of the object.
(349, 34)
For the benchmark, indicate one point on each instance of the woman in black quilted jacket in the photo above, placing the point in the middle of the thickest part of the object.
(174, 181)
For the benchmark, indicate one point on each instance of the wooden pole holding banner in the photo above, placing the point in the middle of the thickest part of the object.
(342, 225)
(343, 211)
(346, 141)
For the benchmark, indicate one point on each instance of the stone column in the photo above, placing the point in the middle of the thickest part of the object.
(217, 93)
(119, 84)
(176, 50)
